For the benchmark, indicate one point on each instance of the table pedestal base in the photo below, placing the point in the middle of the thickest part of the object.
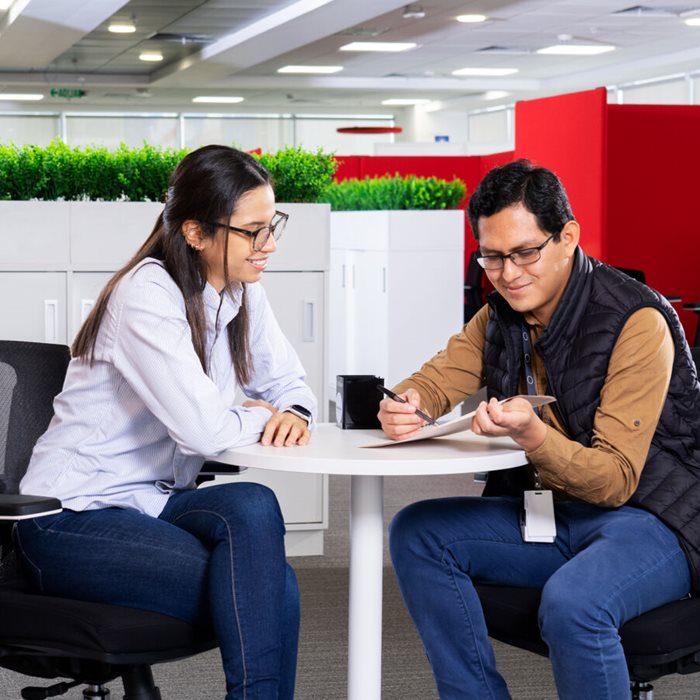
(366, 573)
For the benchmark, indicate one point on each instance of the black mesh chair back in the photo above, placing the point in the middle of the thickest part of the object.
(473, 287)
(31, 374)
(660, 642)
(43, 636)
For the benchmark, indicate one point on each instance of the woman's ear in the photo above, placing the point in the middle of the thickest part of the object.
(192, 233)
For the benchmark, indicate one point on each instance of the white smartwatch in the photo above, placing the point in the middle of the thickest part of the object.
(300, 412)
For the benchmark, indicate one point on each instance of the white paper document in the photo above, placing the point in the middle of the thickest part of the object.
(457, 425)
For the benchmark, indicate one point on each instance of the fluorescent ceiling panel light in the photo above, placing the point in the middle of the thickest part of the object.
(401, 101)
(5, 5)
(576, 49)
(471, 19)
(217, 99)
(485, 72)
(495, 94)
(378, 46)
(693, 21)
(21, 97)
(320, 70)
(122, 28)
(151, 56)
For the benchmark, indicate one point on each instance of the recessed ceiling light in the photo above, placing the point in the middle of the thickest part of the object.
(122, 28)
(377, 46)
(217, 99)
(401, 101)
(485, 72)
(21, 97)
(5, 5)
(310, 69)
(693, 21)
(495, 94)
(471, 19)
(150, 56)
(576, 49)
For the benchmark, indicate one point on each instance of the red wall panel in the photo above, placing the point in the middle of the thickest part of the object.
(653, 156)
(567, 134)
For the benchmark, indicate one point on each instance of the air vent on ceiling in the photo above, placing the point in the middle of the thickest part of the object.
(504, 50)
(181, 38)
(360, 32)
(648, 11)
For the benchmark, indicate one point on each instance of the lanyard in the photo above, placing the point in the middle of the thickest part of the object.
(527, 362)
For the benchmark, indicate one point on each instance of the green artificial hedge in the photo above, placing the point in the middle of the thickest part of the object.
(94, 173)
(141, 174)
(397, 192)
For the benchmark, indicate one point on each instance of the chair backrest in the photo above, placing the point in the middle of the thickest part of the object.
(31, 374)
(695, 352)
(634, 274)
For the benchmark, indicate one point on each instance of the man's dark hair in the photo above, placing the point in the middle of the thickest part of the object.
(520, 182)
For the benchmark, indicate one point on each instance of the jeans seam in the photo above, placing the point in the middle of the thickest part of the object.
(465, 609)
(25, 557)
(233, 588)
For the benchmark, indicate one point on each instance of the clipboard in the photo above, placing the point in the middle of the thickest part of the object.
(458, 425)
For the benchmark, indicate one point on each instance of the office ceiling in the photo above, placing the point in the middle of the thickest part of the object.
(235, 47)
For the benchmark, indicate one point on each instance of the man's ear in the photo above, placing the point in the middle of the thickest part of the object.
(192, 233)
(570, 235)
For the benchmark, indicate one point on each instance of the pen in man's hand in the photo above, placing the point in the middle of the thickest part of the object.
(396, 397)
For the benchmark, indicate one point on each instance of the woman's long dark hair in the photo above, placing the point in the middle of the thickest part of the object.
(205, 186)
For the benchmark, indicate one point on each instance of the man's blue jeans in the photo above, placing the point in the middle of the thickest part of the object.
(606, 566)
(214, 556)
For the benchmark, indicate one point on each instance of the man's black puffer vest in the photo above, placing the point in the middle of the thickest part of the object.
(576, 349)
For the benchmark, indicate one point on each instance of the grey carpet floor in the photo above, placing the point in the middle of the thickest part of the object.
(322, 663)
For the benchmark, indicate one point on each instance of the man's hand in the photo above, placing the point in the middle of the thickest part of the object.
(399, 420)
(515, 418)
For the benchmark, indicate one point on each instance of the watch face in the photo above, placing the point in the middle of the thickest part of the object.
(302, 410)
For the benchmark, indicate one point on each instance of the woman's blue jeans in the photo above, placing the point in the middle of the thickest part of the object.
(214, 556)
(606, 566)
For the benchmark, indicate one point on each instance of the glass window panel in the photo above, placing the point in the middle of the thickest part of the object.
(26, 129)
(268, 134)
(110, 131)
(674, 92)
(312, 134)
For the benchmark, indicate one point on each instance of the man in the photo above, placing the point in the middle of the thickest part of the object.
(620, 450)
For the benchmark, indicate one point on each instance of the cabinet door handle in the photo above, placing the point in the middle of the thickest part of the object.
(343, 284)
(384, 280)
(308, 323)
(85, 308)
(50, 320)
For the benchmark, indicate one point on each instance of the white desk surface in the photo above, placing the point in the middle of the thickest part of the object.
(335, 451)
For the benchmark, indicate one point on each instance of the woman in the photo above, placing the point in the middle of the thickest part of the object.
(148, 396)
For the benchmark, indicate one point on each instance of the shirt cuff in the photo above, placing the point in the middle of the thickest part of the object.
(253, 422)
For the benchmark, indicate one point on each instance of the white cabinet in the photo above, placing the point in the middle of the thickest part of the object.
(55, 258)
(396, 290)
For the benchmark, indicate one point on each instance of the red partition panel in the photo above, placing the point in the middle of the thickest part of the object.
(653, 156)
(567, 134)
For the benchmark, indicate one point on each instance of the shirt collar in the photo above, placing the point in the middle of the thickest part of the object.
(225, 305)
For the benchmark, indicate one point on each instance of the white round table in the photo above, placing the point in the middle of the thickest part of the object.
(335, 451)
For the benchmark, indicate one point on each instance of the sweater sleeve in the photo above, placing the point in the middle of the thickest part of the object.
(454, 373)
(639, 373)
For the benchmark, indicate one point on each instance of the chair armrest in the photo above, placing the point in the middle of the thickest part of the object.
(692, 306)
(21, 506)
(211, 467)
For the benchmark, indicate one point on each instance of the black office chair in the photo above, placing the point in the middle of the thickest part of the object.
(46, 637)
(473, 287)
(660, 642)
(695, 307)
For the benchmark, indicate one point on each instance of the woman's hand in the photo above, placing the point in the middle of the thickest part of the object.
(285, 429)
(399, 420)
(515, 419)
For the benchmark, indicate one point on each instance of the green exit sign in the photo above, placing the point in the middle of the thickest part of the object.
(68, 93)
